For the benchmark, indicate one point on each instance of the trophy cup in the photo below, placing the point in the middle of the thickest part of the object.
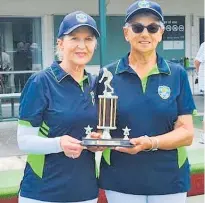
(107, 118)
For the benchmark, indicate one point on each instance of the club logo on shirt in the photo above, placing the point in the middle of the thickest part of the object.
(164, 92)
(81, 17)
(143, 4)
(92, 97)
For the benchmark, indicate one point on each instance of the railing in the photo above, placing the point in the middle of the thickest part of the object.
(11, 97)
(93, 69)
(17, 72)
(8, 95)
(13, 81)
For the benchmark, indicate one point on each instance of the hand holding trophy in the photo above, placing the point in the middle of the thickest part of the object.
(107, 118)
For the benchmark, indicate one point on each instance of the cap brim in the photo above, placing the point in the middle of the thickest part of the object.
(141, 10)
(96, 32)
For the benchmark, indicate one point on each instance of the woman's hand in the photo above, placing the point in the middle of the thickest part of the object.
(139, 144)
(71, 146)
(95, 135)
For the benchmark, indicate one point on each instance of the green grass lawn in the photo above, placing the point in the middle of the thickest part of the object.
(196, 159)
(198, 122)
(9, 183)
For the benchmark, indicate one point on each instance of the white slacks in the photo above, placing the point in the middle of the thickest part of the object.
(117, 197)
(28, 200)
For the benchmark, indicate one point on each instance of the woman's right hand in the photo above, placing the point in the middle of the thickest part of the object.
(71, 146)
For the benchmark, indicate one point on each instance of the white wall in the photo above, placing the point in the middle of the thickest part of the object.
(42, 7)
(47, 8)
(116, 7)
(169, 7)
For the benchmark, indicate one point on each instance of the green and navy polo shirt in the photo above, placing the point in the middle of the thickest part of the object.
(148, 106)
(55, 102)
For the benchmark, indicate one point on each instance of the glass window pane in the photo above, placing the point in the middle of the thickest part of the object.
(21, 52)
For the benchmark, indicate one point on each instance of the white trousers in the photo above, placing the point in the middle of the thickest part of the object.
(117, 197)
(28, 200)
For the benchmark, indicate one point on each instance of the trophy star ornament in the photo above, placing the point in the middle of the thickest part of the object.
(126, 133)
(88, 131)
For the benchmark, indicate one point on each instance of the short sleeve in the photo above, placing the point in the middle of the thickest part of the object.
(185, 102)
(33, 101)
(200, 53)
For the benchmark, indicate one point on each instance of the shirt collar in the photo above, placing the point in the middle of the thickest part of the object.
(163, 65)
(57, 71)
(123, 66)
(59, 74)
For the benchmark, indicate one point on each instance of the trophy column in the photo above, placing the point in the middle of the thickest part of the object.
(107, 108)
(107, 114)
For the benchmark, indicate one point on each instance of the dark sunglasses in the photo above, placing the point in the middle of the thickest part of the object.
(151, 28)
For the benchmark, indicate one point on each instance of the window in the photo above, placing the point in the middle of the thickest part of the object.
(21, 53)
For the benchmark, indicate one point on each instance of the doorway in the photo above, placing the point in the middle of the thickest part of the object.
(201, 30)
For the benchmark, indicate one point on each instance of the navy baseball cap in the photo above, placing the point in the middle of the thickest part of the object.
(75, 20)
(144, 6)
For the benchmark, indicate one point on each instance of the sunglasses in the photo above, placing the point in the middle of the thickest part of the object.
(151, 28)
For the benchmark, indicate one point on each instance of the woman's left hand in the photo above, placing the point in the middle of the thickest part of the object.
(139, 144)
(95, 135)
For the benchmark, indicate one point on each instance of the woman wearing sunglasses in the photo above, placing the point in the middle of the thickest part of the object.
(156, 103)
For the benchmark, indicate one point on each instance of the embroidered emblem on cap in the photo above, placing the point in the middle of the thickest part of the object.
(144, 4)
(81, 17)
(164, 92)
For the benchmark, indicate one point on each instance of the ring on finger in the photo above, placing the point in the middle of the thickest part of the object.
(73, 156)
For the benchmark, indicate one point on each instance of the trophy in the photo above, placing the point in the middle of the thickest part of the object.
(107, 118)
